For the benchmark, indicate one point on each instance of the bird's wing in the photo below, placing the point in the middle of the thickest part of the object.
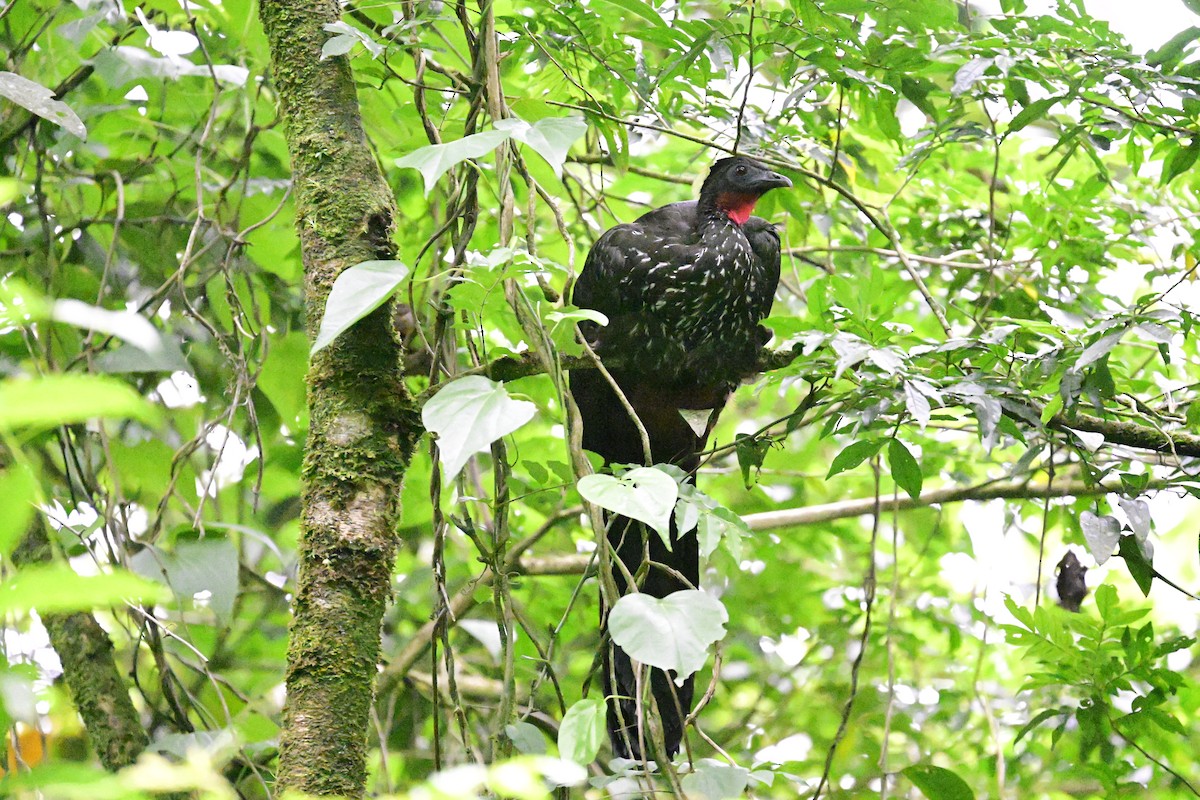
(765, 244)
(632, 265)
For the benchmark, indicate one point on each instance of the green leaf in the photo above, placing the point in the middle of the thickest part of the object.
(18, 488)
(527, 739)
(640, 9)
(906, 472)
(1035, 110)
(1173, 50)
(65, 399)
(27, 590)
(852, 456)
(969, 74)
(435, 160)
(669, 633)
(1139, 567)
(1180, 161)
(1052, 407)
(34, 97)
(717, 524)
(750, 454)
(1099, 348)
(194, 567)
(470, 413)
(646, 494)
(550, 138)
(357, 292)
(1038, 719)
(1106, 601)
(714, 780)
(938, 783)
(582, 731)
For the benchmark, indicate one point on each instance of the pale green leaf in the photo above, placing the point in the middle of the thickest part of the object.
(128, 326)
(646, 494)
(551, 137)
(357, 292)
(18, 488)
(34, 97)
(468, 414)
(527, 738)
(582, 731)
(714, 780)
(669, 633)
(1102, 533)
(435, 160)
(199, 572)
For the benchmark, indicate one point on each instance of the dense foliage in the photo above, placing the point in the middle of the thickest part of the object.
(987, 293)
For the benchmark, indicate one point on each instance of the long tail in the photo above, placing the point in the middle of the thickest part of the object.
(609, 431)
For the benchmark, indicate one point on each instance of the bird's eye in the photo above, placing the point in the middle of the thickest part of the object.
(741, 169)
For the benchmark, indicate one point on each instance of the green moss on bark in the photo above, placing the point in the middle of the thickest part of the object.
(90, 672)
(364, 424)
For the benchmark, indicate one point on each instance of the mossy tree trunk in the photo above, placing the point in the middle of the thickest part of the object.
(90, 670)
(363, 426)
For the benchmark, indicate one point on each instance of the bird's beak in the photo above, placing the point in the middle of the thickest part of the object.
(772, 180)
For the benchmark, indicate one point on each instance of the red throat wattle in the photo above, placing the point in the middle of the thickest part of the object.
(738, 206)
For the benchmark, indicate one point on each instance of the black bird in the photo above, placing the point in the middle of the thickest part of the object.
(685, 289)
(1071, 582)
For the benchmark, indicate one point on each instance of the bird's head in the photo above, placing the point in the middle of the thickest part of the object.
(734, 185)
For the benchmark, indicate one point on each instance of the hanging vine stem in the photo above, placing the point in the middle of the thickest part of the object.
(737, 139)
(890, 644)
(1037, 587)
(869, 603)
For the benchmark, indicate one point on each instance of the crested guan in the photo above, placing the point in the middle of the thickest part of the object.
(684, 288)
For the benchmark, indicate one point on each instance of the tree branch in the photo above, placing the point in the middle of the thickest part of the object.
(577, 564)
(1131, 434)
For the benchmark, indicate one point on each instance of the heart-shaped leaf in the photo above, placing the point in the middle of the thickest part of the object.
(551, 138)
(468, 414)
(673, 632)
(646, 494)
(713, 780)
(1138, 512)
(1101, 535)
(435, 160)
(357, 292)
